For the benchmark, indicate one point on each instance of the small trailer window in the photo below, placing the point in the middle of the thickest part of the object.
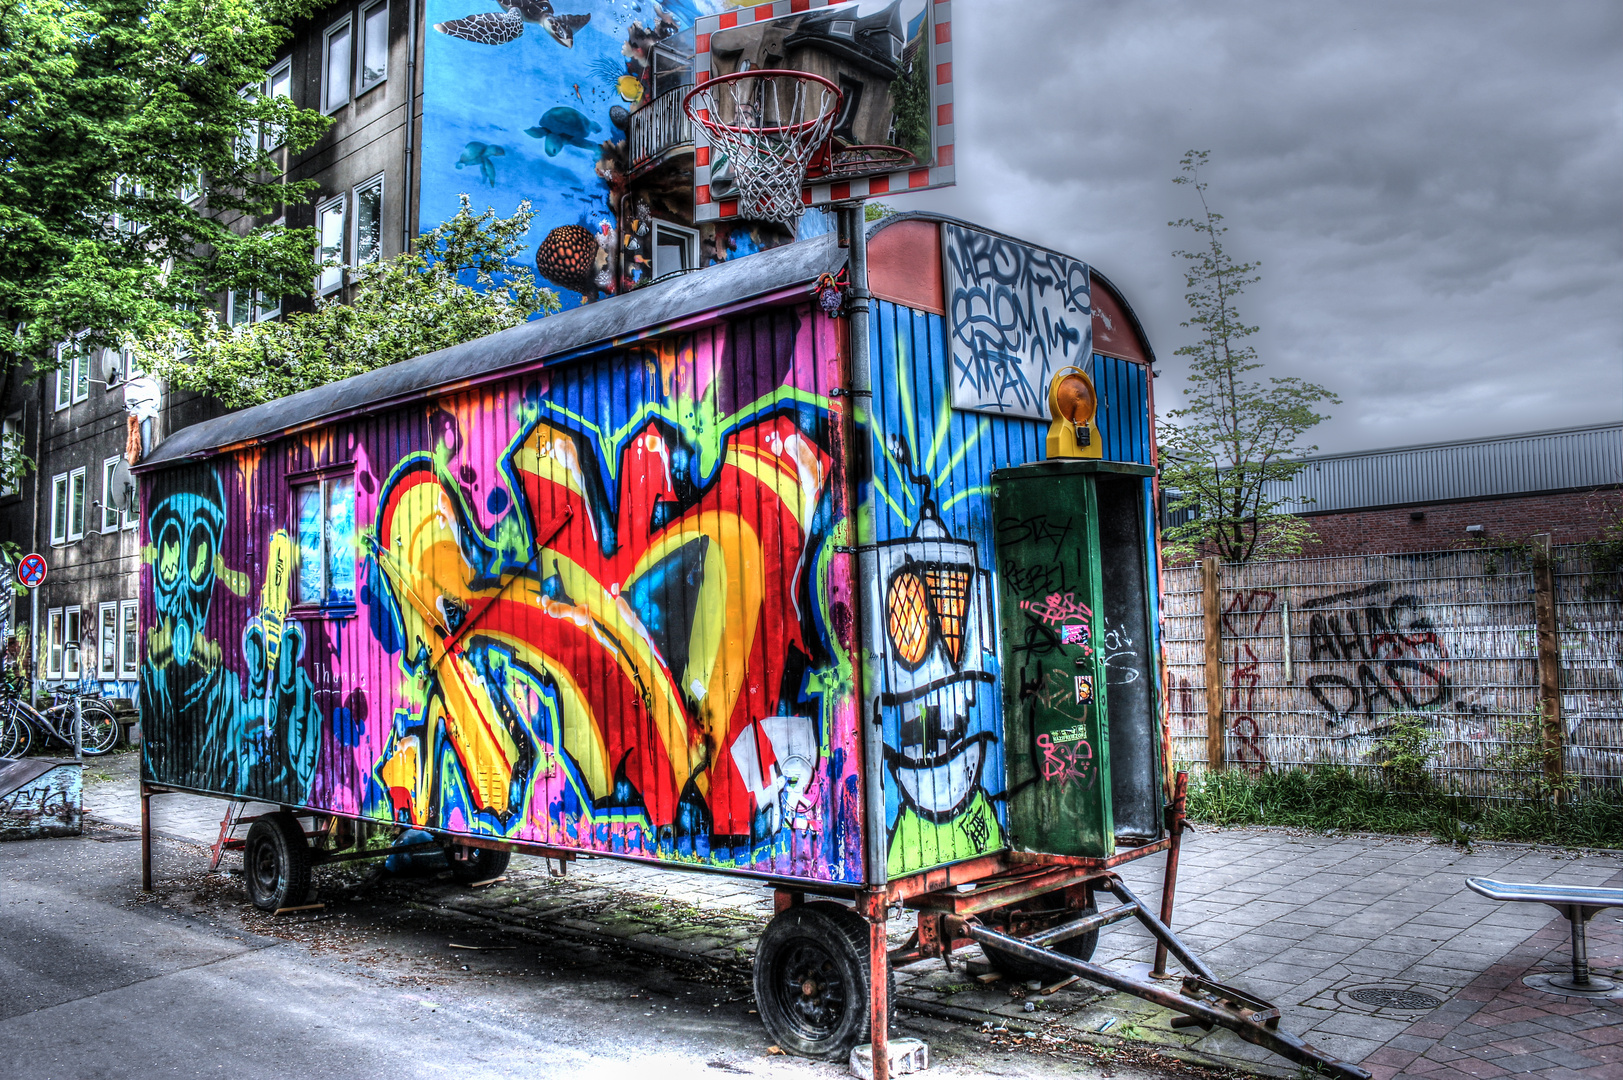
(324, 514)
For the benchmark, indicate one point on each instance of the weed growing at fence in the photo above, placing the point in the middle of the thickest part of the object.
(1338, 797)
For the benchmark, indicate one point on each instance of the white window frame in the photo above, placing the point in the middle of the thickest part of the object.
(73, 616)
(355, 214)
(53, 643)
(59, 501)
(330, 104)
(690, 238)
(129, 666)
(331, 278)
(274, 137)
(107, 468)
(107, 666)
(10, 426)
(72, 377)
(245, 145)
(78, 480)
(361, 85)
(64, 382)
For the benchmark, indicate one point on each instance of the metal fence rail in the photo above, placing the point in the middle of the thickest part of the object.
(1450, 637)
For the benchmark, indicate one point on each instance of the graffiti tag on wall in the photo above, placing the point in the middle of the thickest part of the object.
(1018, 314)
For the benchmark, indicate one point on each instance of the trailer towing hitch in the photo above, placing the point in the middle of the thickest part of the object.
(1201, 999)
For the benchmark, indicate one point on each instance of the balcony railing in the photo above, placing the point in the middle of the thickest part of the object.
(659, 127)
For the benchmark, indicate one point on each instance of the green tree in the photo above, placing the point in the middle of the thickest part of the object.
(458, 284)
(1234, 436)
(113, 115)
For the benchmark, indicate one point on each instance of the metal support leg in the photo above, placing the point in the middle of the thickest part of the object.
(146, 839)
(879, 992)
(1580, 946)
(1169, 880)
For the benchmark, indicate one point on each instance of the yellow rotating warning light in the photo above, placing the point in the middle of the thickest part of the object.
(1072, 403)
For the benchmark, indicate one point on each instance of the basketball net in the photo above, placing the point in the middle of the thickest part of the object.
(772, 126)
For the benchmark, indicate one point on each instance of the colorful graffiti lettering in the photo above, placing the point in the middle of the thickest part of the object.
(260, 729)
(1067, 757)
(1059, 608)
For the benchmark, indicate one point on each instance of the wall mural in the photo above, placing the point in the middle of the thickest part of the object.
(602, 608)
(1019, 314)
(531, 100)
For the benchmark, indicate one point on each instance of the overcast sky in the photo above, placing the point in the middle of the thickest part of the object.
(1434, 190)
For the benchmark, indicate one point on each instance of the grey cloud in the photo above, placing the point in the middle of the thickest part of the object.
(1432, 189)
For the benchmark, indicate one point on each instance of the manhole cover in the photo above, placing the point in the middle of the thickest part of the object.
(1384, 998)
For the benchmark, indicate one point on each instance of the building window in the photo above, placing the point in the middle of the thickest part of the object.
(369, 221)
(191, 186)
(76, 504)
(278, 84)
(324, 516)
(374, 45)
(675, 248)
(107, 641)
(335, 61)
(112, 500)
(11, 436)
(330, 226)
(72, 644)
(59, 508)
(243, 307)
(53, 644)
(129, 639)
(247, 142)
(72, 376)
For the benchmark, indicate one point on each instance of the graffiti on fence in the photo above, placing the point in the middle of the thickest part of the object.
(1385, 655)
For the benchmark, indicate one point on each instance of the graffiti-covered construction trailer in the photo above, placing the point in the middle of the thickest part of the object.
(590, 584)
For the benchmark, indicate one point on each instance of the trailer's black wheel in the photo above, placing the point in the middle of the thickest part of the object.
(1019, 969)
(276, 862)
(812, 982)
(482, 864)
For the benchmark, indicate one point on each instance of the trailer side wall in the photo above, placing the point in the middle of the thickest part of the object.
(599, 606)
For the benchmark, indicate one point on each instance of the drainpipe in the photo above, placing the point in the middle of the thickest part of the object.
(33, 538)
(411, 108)
(854, 232)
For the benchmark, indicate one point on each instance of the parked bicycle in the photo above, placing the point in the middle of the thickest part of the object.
(20, 723)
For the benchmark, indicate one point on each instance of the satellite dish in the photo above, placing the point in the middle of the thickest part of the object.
(112, 366)
(121, 487)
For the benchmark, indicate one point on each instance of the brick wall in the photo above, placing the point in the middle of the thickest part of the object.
(1569, 518)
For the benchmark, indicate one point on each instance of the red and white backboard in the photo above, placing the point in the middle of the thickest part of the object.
(891, 59)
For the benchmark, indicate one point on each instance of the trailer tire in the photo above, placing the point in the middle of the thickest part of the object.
(276, 862)
(812, 985)
(1019, 969)
(482, 864)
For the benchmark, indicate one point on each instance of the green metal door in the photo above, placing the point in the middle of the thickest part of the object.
(1056, 732)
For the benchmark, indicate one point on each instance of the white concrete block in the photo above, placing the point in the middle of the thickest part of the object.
(906, 1056)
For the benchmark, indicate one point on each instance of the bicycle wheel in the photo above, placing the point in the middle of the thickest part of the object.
(98, 728)
(16, 736)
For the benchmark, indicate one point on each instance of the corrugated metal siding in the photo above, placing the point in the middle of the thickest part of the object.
(1552, 461)
(915, 430)
(636, 561)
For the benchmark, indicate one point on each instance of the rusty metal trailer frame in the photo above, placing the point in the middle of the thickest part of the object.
(949, 919)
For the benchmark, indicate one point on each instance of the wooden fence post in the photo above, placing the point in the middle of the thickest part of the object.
(1212, 605)
(1549, 664)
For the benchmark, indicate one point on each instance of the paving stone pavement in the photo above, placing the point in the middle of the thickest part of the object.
(1301, 920)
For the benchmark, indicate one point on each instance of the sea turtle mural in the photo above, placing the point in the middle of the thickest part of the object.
(564, 126)
(498, 28)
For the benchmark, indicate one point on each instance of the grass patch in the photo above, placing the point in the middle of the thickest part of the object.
(1337, 797)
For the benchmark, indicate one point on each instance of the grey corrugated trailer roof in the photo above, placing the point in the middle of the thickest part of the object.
(1561, 460)
(579, 329)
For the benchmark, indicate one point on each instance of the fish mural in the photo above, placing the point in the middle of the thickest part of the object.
(480, 154)
(564, 126)
(499, 28)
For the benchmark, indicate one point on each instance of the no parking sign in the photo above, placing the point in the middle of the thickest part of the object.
(31, 571)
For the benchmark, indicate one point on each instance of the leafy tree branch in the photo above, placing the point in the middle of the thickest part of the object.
(1235, 436)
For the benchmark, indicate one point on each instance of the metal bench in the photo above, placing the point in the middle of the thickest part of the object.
(1578, 903)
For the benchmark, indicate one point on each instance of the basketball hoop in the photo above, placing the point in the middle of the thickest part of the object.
(772, 126)
(849, 161)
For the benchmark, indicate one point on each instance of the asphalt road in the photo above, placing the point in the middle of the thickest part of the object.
(100, 980)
